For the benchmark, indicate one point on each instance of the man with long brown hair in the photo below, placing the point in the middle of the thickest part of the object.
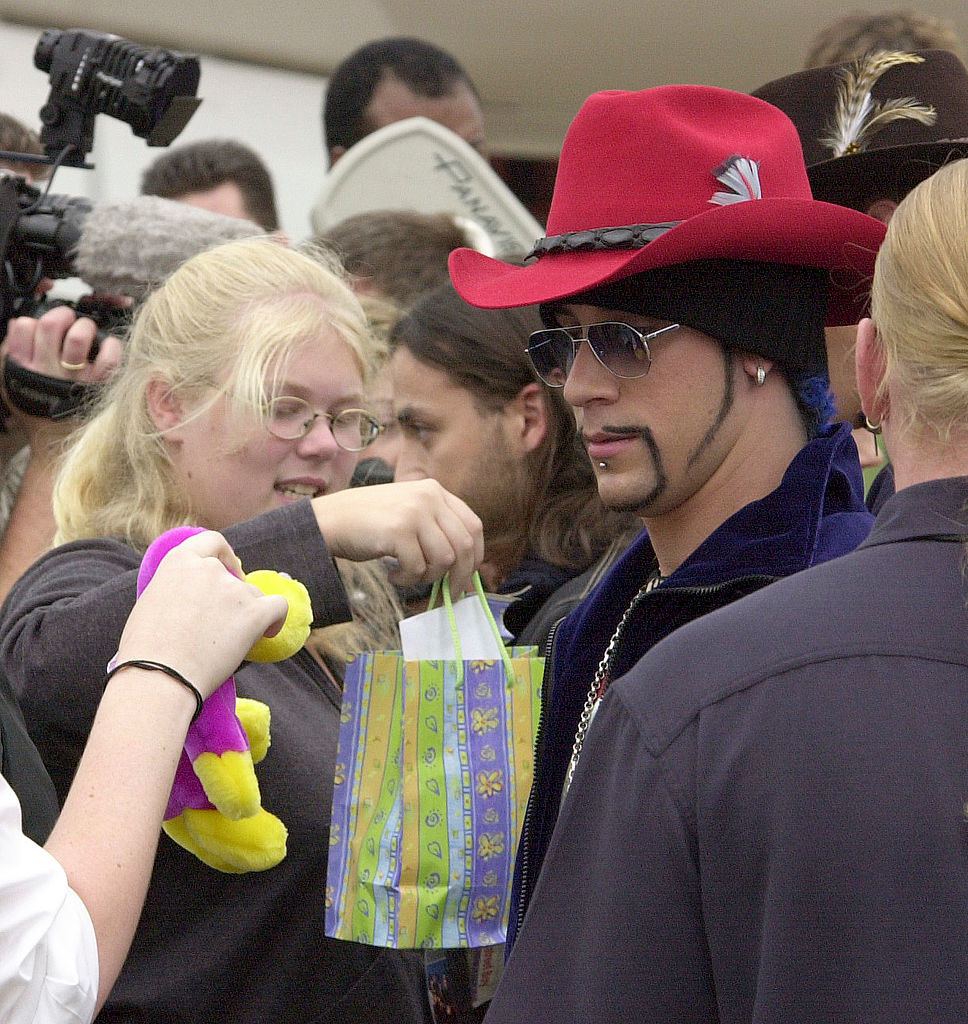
(473, 415)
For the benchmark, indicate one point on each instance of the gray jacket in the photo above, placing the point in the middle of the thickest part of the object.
(768, 820)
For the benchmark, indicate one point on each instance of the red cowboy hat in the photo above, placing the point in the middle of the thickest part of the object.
(675, 174)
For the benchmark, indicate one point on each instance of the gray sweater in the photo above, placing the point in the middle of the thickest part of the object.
(212, 946)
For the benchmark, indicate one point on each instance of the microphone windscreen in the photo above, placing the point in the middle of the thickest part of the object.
(129, 247)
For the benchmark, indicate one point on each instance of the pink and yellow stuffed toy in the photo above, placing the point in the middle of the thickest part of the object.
(215, 810)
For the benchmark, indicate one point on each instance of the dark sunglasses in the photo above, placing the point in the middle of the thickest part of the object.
(620, 348)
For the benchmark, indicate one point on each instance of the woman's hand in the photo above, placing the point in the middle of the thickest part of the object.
(427, 530)
(197, 617)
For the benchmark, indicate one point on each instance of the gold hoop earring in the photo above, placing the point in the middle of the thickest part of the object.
(874, 428)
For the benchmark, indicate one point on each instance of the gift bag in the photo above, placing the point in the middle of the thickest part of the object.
(433, 772)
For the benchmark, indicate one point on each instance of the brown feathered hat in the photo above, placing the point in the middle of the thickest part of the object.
(873, 128)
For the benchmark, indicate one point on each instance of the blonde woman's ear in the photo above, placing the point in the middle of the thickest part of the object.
(164, 407)
(870, 365)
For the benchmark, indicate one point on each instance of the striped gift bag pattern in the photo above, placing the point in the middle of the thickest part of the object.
(432, 779)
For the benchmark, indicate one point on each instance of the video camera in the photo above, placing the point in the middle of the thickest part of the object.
(152, 90)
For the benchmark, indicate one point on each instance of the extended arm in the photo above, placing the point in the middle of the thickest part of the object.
(55, 659)
(424, 528)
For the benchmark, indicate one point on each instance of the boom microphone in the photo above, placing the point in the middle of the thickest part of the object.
(129, 247)
(119, 248)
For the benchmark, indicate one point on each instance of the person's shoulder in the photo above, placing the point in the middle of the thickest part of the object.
(567, 597)
(70, 569)
(91, 550)
(811, 615)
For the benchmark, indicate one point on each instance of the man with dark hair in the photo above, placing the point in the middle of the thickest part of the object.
(16, 137)
(392, 79)
(220, 175)
(684, 285)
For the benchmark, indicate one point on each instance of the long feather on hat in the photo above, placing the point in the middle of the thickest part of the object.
(858, 116)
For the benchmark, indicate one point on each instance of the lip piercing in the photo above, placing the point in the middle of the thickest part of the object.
(603, 465)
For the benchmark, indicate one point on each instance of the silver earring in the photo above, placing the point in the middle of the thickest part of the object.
(760, 376)
(602, 465)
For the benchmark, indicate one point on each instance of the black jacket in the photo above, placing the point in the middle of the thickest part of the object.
(22, 767)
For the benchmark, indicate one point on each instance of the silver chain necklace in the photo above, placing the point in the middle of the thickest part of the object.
(603, 678)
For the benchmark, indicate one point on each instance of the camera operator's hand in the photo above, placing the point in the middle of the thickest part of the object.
(55, 345)
(58, 345)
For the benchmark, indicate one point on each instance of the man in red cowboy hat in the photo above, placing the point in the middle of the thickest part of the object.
(684, 283)
(871, 129)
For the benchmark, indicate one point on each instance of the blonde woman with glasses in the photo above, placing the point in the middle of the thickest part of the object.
(238, 407)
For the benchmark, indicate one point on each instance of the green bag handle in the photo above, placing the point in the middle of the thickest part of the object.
(441, 588)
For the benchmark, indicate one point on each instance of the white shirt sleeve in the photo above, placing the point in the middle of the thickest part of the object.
(48, 949)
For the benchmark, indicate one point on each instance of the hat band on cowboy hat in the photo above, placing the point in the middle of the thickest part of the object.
(673, 175)
(634, 236)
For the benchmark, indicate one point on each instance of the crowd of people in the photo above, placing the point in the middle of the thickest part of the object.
(649, 433)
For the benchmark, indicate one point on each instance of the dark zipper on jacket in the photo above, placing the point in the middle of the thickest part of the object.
(524, 894)
(714, 588)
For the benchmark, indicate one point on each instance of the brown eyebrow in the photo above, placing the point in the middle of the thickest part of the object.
(408, 416)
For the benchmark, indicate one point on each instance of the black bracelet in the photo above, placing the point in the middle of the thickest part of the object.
(157, 666)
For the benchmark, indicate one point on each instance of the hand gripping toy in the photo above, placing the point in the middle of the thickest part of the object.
(215, 810)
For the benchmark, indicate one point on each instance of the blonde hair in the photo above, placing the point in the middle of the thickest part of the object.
(919, 302)
(382, 313)
(246, 306)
